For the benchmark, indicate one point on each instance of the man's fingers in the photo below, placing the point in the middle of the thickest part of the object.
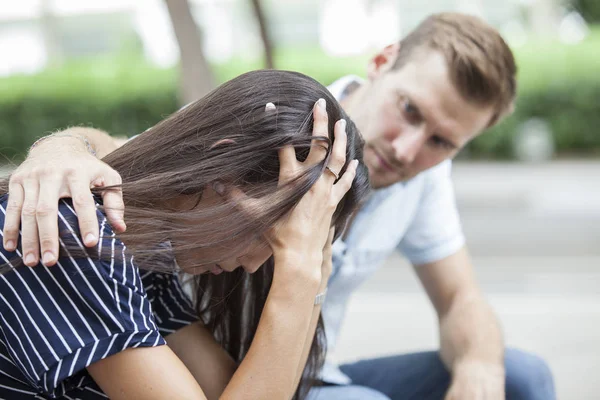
(29, 228)
(47, 220)
(114, 205)
(85, 207)
(12, 220)
(320, 128)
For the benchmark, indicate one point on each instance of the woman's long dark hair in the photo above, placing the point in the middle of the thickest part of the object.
(186, 152)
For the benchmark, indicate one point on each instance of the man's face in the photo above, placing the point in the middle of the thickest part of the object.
(412, 118)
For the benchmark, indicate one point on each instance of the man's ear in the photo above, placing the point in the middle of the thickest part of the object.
(383, 61)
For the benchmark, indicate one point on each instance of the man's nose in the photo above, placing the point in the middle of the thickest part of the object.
(408, 144)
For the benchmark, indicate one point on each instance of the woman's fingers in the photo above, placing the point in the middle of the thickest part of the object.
(245, 204)
(318, 150)
(288, 164)
(337, 159)
(344, 184)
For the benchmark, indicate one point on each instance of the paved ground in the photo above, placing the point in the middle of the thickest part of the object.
(534, 232)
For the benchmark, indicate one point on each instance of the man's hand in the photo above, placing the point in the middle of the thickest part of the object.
(59, 167)
(473, 380)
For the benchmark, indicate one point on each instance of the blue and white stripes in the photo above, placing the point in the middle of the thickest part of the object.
(54, 322)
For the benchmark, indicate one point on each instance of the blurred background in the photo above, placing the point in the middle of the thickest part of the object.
(529, 192)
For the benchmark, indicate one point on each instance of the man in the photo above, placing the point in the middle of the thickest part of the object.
(425, 98)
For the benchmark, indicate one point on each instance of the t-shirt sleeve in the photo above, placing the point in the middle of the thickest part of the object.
(436, 231)
(57, 321)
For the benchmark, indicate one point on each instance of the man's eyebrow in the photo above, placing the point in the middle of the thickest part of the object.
(449, 138)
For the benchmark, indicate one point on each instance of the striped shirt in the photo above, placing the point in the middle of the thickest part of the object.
(54, 322)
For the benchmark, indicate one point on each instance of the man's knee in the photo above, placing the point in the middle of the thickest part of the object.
(346, 392)
(527, 376)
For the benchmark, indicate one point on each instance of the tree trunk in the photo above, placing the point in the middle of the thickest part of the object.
(264, 33)
(196, 78)
(50, 30)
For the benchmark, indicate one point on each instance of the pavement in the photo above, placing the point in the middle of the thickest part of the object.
(534, 233)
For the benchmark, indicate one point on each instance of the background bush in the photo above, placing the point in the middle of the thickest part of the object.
(558, 83)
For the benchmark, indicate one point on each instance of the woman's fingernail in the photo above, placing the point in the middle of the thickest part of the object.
(10, 245)
(219, 187)
(321, 103)
(48, 257)
(343, 123)
(89, 239)
(30, 260)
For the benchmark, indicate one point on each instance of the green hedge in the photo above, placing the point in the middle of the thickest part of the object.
(589, 9)
(572, 113)
(558, 83)
(121, 96)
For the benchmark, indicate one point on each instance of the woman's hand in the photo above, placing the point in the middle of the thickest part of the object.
(327, 263)
(303, 234)
(59, 167)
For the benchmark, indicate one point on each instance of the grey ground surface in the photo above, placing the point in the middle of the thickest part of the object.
(534, 233)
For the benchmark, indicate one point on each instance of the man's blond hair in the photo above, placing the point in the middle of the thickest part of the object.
(481, 65)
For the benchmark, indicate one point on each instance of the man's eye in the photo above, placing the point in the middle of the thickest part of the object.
(411, 113)
(441, 143)
(409, 108)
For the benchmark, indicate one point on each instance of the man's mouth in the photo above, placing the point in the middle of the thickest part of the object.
(386, 165)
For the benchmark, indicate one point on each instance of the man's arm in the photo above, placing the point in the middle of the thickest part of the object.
(101, 142)
(60, 166)
(471, 341)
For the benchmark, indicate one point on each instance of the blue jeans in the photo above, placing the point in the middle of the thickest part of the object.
(422, 376)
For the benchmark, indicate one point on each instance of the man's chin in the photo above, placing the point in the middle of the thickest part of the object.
(381, 182)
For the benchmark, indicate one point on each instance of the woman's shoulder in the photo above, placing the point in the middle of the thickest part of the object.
(67, 216)
(81, 310)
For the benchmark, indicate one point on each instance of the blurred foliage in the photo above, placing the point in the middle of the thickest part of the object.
(560, 84)
(589, 9)
(124, 96)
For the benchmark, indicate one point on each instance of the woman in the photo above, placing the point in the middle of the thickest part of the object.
(223, 183)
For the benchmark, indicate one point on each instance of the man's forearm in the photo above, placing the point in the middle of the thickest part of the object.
(470, 333)
(101, 142)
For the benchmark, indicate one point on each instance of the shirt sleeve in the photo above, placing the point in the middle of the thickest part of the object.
(57, 321)
(436, 231)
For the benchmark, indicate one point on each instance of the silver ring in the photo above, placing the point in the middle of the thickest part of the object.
(337, 177)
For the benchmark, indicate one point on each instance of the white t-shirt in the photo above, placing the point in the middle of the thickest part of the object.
(418, 217)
